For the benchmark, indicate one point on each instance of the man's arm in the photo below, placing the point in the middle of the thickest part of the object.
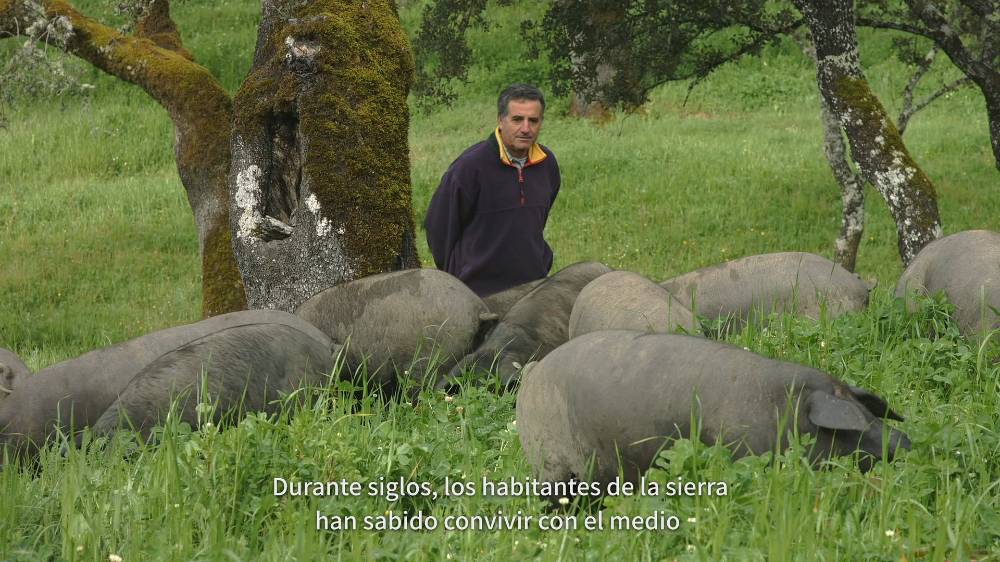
(450, 211)
(558, 184)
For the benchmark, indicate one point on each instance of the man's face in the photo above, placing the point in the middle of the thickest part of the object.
(520, 127)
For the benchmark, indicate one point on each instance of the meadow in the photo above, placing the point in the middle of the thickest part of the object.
(97, 245)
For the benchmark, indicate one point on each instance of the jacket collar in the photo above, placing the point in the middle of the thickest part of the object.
(535, 154)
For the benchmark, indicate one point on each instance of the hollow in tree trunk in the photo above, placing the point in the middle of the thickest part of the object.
(320, 178)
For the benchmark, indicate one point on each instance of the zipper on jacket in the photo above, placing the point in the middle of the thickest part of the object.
(520, 182)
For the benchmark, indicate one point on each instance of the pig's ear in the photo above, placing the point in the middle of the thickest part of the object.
(826, 410)
(875, 404)
(6, 380)
(487, 321)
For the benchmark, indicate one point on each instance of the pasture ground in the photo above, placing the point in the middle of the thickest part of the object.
(97, 245)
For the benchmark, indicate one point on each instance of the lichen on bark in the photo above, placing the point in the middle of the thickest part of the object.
(323, 117)
(876, 146)
(883, 159)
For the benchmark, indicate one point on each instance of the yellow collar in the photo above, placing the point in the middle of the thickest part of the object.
(535, 154)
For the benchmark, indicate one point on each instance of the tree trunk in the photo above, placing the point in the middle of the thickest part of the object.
(876, 145)
(852, 185)
(993, 114)
(320, 181)
(852, 190)
(602, 73)
(199, 107)
(587, 101)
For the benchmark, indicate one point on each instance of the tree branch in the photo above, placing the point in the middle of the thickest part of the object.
(751, 47)
(198, 105)
(981, 7)
(157, 26)
(945, 37)
(898, 26)
(909, 110)
(169, 76)
(922, 68)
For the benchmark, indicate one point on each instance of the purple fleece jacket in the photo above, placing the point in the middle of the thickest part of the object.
(485, 221)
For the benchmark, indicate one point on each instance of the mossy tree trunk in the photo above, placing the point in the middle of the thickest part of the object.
(154, 59)
(876, 146)
(320, 181)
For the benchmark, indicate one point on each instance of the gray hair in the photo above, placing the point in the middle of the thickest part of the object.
(518, 92)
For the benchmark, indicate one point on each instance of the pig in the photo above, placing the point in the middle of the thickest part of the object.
(73, 394)
(750, 288)
(245, 368)
(534, 326)
(500, 303)
(395, 321)
(622, 300)
(621, 394)
(12, 372)
(965, 266)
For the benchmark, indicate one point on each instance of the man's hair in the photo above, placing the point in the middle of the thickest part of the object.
(518, 92)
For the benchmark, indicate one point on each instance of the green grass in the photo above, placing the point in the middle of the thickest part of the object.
(97, 245)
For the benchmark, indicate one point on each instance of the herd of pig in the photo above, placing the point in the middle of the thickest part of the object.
(603, 378)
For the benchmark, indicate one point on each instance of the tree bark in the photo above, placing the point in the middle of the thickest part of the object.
(852, 190)
(927, 20)
(604, 72)
(201, 110)
(985, 76)
(876, 145)
(320, 181)
(852, 185)
(586, 100)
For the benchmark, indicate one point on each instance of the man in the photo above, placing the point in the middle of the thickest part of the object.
(485, 221)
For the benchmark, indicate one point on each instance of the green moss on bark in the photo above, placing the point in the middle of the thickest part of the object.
(352, 111)
(222, 286)
(157, 26)
(878, 147)
(362, 125)
(201, 111)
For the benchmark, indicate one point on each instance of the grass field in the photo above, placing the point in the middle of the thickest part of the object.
(97, 245)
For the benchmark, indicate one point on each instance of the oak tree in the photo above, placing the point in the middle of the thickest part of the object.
(307, 165)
